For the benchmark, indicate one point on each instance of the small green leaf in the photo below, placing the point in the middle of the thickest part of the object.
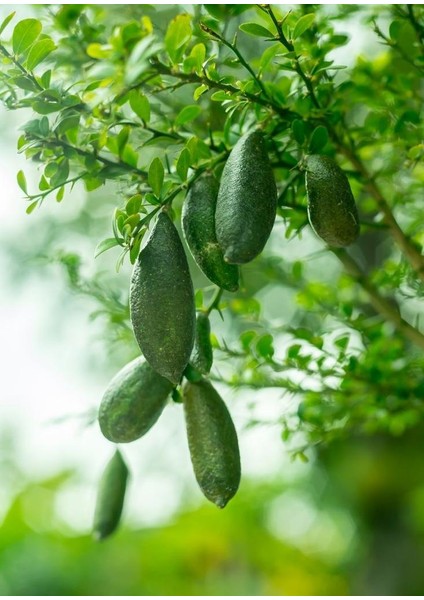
(293, 351)
(137, 62)
(105, 245)
(31, 207)
(265, 346)
(319, 138)
(134, 204)
(135, 248)
(177, 36)
(44, 126)
(256, 29)
(140, 105)
(197, 57)
(269, 55)
(122, 139)
(45, 79)
(25, 83)
(61, 174)
(187, 114)
(150, 198)
(395, 29)
(198, 149)
(302, 456)
(99, 51)
(45, 108)
(416, 151)
(6, 22)
(67, 123)
(44, 184)
(155, 175)
(199, 91)
(38, 52)
(183, 163)
(342, 342)
(246, 338)
(60, 194)
(298, 129)
(220, 96)
(24, 34)
(22, 181)
(92, 183)
(302, 25)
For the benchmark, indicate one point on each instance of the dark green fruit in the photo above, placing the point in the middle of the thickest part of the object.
(133, 402)
(247, 200)
(202, 355)
(162, 302)
(110, 497)
(212, 441)
(198, 221)
(331, 207)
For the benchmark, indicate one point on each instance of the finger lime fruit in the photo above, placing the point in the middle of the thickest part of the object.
(133, 402)
(110, 497)
(198, 221)
(247, 200)
(332, 210)
(212, 441)
(202, 355)
(162, 305)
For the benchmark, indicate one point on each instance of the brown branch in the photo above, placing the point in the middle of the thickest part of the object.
(285, 113)
(381, 304)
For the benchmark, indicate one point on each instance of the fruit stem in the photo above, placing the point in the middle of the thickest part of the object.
(241, 58)
(215, 301)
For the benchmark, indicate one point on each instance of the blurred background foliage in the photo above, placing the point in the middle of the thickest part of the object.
(347, 384)
(353, 523)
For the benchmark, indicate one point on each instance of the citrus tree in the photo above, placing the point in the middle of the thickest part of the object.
(151, 104)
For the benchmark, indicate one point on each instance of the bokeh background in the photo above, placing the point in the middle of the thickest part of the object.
(349, 521)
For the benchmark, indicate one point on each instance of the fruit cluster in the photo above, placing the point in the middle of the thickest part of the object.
(225, 225)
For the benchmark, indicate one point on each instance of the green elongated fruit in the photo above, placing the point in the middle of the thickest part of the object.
(133, 402)
(198, 221)
(110, 497)
(332, 210)
(212, 441)
(202, 355)
(247, 200)
(162, 301)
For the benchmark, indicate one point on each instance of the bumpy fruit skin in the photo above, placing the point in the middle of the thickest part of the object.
(110, 497)
(133, 402)
(202, 355)
(212, 441)
(331, 207)
(162, 305)
(247, 200)
(198, 221)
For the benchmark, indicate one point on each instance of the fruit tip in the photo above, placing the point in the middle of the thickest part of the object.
(228, 256)
(221, 502)
(98, 536)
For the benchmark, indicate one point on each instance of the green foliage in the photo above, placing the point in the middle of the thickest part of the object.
(140, 103)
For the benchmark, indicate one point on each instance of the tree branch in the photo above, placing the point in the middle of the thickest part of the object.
(285, 113)
(381, 304)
